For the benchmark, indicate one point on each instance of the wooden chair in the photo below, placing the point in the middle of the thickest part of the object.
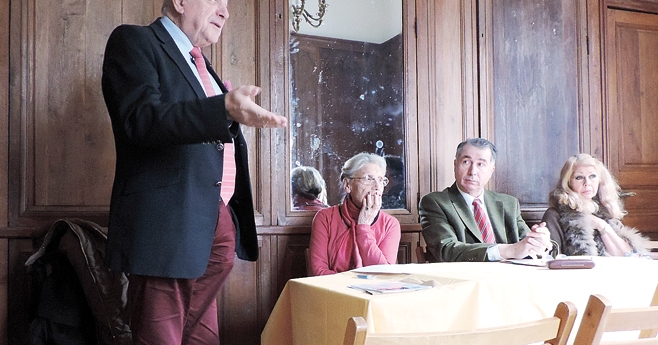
(421, 254)
(600, 317)
(307, 255)
(553, 330)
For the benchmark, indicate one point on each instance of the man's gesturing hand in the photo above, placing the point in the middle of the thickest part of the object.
(241, 108)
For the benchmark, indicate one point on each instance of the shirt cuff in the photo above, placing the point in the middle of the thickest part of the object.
(493, 253)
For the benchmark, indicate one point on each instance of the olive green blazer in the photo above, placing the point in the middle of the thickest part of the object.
(451, 232)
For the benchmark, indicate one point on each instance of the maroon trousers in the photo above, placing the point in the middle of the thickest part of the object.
(183, 311)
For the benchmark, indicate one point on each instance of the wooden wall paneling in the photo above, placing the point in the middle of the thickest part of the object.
(67, 127)
(443, 108)
(17, 98)
(18, 283)
(407, 249)
(4, 110)
(4, 290)
(649, 6)
(244, 302)
(470, 69)
(280, 89)
(291, 258)
(266, 18)
(534, 54)
(61, 143)
(411, 117)
(632, 90)
(239, 58)
(592, 140)
(132, 12)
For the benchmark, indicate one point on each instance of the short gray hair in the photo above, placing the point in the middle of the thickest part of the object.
(307, 182)
(480, 143)
(166, 4)
(358, 161)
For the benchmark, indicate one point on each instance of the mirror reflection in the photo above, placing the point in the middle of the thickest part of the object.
(346, 94)
(308, 189)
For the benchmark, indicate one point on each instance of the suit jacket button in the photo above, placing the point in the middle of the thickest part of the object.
(218, 184)
(220, 146)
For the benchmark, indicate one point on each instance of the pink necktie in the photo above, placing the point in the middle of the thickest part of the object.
(483, 222)
(200, 63)
(228, 176)
(229, 172)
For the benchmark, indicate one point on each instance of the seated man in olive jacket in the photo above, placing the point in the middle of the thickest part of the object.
(449, 217)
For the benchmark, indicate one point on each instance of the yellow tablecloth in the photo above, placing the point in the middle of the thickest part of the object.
(466, 296)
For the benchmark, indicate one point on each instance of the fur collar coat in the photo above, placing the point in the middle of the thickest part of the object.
(569, 227)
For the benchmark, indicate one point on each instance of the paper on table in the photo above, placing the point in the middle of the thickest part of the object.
(389, 287)
(527, 262)
(392, 269)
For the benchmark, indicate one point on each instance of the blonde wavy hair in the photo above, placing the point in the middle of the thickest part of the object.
(607, 195)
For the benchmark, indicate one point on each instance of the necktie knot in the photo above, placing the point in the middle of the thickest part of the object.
(196, 53)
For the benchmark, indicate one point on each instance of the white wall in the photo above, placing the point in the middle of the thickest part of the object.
(373, 21)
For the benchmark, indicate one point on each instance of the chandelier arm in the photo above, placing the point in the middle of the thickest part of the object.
(299, 11)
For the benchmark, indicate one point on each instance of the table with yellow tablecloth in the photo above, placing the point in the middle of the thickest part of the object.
(465, 296)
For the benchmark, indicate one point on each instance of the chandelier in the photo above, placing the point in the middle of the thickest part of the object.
(299, 12)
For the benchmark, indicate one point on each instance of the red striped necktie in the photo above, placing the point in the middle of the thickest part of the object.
(483, 222)
(229, 172)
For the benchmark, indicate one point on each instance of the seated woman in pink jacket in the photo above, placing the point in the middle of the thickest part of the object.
(355, 233)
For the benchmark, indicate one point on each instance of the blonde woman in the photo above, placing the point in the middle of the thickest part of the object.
(585, 212)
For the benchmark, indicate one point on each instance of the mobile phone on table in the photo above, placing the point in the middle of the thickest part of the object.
(574, 263)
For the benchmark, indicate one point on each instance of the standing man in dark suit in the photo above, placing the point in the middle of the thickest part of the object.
(450, 228)
(169, 228)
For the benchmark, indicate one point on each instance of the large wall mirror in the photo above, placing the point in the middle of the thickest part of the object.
(347, 90)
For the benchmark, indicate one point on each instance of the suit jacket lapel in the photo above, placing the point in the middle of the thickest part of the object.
(496, 213)
(464, 212)
(170, 47)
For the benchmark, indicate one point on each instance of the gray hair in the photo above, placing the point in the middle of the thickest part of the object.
(307, 182)
(358, 161)
(480, 143)
(166, 5)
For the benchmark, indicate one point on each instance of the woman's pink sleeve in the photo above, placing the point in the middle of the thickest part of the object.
(319, 245)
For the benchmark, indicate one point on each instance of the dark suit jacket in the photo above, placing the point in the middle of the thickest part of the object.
(451, 232)
(165, 197)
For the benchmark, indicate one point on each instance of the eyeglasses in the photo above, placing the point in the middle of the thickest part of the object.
(371, 179)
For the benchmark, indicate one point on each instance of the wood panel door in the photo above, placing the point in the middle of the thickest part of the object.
(631, 72)
(534, 97)
(61, 148)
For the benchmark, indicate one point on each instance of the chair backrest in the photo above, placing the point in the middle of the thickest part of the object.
(421, 254)
(651, 333)
(600, 317)
(553, 330)
(307, 255)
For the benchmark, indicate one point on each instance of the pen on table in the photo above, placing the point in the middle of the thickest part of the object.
(366, 276)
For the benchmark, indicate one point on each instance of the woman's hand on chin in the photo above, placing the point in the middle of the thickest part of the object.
(370, 206)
